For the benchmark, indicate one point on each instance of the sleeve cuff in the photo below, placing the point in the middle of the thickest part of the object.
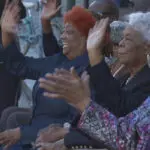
(27, 135)
(5, 52)
(48, 35)
(99, 72)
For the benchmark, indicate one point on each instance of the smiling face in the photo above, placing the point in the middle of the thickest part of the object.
(132, 47)
(74, 44)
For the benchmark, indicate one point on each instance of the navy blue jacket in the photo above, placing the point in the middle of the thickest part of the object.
(8, 84)
(45, 111)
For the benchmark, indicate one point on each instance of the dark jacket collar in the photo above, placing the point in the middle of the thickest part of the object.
(79, 63)
(142, 77)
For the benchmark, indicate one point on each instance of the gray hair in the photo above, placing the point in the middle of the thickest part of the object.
(116, 28)
(141, 22)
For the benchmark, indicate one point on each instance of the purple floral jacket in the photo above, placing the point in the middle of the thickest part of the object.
(131, 132)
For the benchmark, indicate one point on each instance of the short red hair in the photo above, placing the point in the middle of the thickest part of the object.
(81, 19)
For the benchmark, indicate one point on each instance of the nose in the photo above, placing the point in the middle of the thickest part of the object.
(63, 36)
(121, 43)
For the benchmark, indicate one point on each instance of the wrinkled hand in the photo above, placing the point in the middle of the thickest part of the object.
(10, 137)
(51, 134)
(10, 17)
(50, 9)
(59, 145)
(96, 38)
(68, 86)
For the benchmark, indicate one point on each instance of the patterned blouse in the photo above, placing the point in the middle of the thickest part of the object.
(131, 132)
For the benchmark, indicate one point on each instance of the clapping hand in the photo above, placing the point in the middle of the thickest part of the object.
(96, 41)
(68, 86)
(97, 36)
(50, 9)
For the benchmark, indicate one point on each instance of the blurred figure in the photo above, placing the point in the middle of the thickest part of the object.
(48, 111)
(9, 82)
(142, 5)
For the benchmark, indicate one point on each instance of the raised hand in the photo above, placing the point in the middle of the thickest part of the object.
(96, 41)
(10, 17)
(50, 9)
(96, 38)
(68, 86)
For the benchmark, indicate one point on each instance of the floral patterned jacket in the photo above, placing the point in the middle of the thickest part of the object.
(131, 132)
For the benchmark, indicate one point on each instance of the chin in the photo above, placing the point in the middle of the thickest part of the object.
(123, 61)
(69, 57)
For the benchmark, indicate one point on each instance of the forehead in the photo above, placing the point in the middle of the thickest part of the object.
(134, 34)
(69, 26)
(130, 31)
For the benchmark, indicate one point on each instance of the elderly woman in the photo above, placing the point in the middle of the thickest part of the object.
(78, 21)
(127, 100)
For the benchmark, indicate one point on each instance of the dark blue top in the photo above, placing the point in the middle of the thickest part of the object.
(8, 84)
(45, 111)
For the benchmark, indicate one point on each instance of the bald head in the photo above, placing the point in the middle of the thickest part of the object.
(142, 5)
(106, 7)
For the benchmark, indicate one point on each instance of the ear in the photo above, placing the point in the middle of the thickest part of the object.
(83, 39)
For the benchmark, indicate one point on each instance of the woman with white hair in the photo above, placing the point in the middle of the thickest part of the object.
(119, 116)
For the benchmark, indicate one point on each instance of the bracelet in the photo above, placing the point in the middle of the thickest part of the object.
(67, 125)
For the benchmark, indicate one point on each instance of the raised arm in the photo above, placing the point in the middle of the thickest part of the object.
(108, 91)
(14, 61)
(21, 66)
(50, 44)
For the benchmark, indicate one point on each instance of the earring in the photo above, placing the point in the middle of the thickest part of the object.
(148, 60)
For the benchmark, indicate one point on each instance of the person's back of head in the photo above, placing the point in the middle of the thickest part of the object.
(107, 8)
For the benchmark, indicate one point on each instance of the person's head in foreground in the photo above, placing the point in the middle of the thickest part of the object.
(135, 45)
(104, 8)
(78, 22)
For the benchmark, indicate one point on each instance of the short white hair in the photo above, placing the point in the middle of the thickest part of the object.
(141, 22)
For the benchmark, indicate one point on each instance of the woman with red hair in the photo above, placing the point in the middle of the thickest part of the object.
(47, 111)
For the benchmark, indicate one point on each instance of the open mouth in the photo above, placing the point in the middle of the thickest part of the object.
(65, 45)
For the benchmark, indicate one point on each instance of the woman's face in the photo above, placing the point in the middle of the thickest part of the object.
(131, 48)
(73, 42)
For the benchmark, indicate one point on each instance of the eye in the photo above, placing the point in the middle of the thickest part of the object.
(127, 38)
